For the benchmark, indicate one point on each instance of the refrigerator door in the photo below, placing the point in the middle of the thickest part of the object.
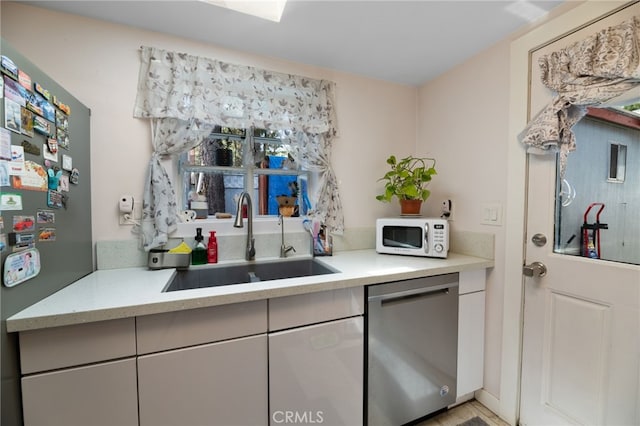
(61, 234)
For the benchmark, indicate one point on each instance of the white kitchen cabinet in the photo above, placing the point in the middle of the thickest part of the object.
(80, 374)
(471, 333)
(204, 366)
(316, 374)
(222, 383)
(102, 394)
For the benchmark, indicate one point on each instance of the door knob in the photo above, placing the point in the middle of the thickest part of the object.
(535, 269)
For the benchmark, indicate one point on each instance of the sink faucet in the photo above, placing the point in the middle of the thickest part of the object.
(283, 249)
(251, 251)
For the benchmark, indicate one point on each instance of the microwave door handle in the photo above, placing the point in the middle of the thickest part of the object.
(426, 237)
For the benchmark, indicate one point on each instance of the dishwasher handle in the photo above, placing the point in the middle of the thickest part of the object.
(416, 292)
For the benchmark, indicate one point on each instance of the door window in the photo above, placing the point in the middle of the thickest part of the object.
(598, 200)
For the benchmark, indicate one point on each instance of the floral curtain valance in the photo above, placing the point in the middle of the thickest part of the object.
(185, 96)
(587, 73)
(186, 87)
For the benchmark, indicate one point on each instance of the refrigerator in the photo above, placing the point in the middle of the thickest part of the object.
(45, 200)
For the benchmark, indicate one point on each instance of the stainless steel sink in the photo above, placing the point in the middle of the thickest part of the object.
(252, 272)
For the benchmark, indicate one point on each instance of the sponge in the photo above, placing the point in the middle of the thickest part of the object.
(181, 248)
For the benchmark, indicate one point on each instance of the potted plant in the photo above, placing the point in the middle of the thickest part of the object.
(408, 180)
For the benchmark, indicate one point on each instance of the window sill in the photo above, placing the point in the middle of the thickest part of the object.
(261, 225)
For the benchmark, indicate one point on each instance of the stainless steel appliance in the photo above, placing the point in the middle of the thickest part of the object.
(412, 345)
(58, 224)
(413, 236)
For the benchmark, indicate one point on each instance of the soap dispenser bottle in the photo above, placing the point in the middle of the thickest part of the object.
(212, 248)
(199, 252)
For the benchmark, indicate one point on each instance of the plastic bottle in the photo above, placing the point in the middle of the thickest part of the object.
(212, 248)
(199, 252)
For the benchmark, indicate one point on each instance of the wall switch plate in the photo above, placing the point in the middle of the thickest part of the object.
(491, 214)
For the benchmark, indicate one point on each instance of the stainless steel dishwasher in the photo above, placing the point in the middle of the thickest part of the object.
(412, 345)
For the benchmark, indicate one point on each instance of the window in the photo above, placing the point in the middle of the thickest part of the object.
(230, 161)
(617, 162)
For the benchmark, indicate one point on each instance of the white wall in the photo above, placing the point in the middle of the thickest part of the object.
(462, 123)
(98, 63)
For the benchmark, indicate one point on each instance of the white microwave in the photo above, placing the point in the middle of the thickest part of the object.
(413, 236)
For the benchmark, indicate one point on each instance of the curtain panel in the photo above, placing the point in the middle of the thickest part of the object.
(184, 96)
(587, 73)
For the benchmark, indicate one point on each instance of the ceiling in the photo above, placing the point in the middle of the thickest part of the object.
(406, 42)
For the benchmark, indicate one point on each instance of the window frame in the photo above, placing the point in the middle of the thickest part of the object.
(248, 168)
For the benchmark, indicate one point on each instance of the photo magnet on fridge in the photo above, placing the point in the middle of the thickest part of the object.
(54, 199)
(8, 67)
(12, 116)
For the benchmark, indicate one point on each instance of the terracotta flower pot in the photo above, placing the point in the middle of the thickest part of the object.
(410, 206)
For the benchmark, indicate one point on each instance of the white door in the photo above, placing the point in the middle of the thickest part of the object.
(581, 351)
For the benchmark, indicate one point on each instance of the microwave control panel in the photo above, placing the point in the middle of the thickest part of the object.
(438, 235)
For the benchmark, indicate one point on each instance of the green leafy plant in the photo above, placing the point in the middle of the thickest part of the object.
(408, 178)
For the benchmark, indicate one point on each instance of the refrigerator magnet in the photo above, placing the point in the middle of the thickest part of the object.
(29, 147)
(75, 176)
(46, 216)
(64, 183)
(52, 144)
(24, 79)
(9, 67)
(23, 223)
(44, 92)
(62, 121)
(47, 234)
(12, 117)
(10, 201)
(20, 267)
(67, 163)
(63, 138)
(54, 199)
(27, 123)
(54, 178)
(49, 155)
(33, 178)
(4, 173)
(41, 126)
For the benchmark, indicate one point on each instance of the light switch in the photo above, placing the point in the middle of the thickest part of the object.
(491, 214)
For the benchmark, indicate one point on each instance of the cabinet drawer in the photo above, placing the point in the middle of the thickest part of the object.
(179, 329)
(101, 394)
(311, 308)
(67, 346)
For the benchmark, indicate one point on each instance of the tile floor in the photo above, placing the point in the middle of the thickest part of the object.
(462, 413)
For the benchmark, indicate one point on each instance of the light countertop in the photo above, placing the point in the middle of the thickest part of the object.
(128, 292)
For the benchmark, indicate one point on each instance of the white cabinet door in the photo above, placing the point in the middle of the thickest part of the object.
(470, 342)
(94, 395)
(316, 374)
(221, 383)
